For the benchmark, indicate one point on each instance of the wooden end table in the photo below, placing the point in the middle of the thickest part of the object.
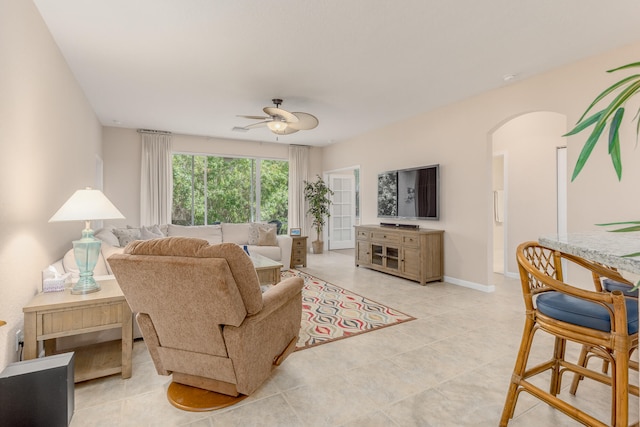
(268, 270)
(53, 315)
(299, 251)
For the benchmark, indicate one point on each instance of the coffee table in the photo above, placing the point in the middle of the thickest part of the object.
(268, 270)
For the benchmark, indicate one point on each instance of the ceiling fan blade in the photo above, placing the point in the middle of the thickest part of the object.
(286, 131)
(257, 125)
(305, 121)
(254, 117)
(287, 116)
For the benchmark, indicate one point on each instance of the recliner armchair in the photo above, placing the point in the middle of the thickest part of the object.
(204, 318)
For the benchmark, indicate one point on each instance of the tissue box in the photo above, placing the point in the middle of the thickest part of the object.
(53, 285)
(52, 281)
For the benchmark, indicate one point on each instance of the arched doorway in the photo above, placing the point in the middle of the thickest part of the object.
(526, 169)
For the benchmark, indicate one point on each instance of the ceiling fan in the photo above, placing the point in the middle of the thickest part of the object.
(281, 122)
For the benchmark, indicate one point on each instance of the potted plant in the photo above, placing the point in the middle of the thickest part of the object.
(611, 115)
(317, 195)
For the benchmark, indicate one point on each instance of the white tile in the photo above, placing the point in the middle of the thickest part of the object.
(449, 367)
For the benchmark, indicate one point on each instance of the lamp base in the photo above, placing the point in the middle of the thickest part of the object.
(86, 250)
(85, 285)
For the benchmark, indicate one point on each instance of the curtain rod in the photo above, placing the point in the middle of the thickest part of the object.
(163, 132)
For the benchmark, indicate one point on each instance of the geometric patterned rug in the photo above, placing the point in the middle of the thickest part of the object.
(330, 312)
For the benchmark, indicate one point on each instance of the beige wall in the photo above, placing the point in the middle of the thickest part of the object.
(458, 137)
(529, 141)
(50, 138)
(122, 154)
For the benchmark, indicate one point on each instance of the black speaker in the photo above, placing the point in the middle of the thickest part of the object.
(38, 392)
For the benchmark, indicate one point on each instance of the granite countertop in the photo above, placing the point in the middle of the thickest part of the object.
(602, 246)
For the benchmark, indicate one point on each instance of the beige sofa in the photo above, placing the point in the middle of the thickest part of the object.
(260, 238)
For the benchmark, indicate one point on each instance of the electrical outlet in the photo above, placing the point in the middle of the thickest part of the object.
(19, 339)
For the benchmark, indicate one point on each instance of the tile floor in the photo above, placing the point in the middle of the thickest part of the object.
(450, 367)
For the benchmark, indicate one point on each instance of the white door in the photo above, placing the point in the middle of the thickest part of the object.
(343, 212)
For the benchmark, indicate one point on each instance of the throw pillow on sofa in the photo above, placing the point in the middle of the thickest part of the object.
(152, 232)
(267, 236)
(107, 236)
(258, 228)
(126, 235)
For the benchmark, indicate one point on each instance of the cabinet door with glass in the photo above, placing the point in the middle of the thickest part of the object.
(385, 256)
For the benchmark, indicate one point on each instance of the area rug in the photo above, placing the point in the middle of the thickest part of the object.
(330, 313)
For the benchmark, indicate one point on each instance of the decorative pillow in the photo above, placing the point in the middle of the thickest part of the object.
(267, 236)
(126, 235)
(107, 236)
(148, 233)
(254, 233)
(211, 233)
(236, 233)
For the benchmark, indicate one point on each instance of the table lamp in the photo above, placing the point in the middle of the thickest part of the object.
(86, 205)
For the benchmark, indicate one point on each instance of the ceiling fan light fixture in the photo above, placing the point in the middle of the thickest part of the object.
(281, 122)
(277, 125)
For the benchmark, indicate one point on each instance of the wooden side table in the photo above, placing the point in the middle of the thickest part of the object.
(60, 314)
(299, 251)
(268, 270)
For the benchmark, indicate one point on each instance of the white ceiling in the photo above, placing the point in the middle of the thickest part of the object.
(191, 66)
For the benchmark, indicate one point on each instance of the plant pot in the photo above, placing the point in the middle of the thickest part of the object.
(318, 246)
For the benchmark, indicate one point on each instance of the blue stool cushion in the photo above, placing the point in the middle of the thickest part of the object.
(584, 313)
(611, 285)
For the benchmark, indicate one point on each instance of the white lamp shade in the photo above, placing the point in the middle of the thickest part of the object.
(277, 125)
(86, 205)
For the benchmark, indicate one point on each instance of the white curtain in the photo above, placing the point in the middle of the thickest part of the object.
(156, 179)
(298, 173)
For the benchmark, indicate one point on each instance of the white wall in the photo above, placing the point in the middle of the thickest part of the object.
(458, 137)
(49, 137)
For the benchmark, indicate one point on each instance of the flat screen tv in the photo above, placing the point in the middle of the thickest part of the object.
(409, 193)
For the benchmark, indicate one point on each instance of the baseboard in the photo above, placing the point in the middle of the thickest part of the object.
(512, 275)
(471, 285)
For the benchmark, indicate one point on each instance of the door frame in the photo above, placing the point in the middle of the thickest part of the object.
(355, 220)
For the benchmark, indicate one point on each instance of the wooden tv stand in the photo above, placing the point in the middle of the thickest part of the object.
(415, 254)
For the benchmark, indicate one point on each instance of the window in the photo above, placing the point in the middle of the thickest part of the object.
(210, 189)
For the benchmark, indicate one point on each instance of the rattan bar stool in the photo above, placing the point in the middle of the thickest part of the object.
(605, 322)
(606, 285)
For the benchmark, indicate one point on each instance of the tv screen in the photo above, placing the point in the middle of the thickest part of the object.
(409, 193)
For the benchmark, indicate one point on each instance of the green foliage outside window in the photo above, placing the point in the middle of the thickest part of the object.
(208, 189)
